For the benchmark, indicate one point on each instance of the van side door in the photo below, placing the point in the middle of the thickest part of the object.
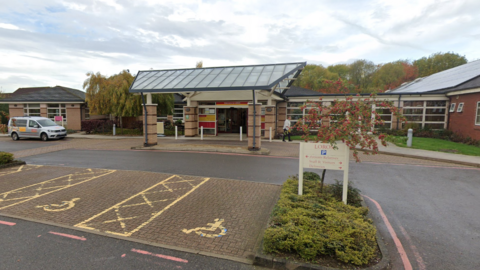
(33, 129)
(22, 127)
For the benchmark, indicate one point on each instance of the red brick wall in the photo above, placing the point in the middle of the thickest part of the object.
(464, 122)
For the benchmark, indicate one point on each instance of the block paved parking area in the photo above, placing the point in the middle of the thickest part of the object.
(221, 216)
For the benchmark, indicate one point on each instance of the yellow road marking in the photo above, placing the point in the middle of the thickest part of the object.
(213, 227)
(90, 224)
(22, 168)
(41, 187)
(65, 205)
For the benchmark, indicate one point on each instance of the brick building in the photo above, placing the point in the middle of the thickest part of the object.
(49, 102)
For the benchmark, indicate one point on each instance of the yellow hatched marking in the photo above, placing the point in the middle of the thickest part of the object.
(22, 168)
(91, 224)
(40, 190)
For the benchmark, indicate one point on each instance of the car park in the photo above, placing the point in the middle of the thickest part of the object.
(35, 127)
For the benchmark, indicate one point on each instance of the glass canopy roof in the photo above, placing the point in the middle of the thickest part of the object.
(257, 77)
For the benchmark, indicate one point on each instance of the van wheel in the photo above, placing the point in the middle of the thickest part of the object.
(44, 137)
(15, 136)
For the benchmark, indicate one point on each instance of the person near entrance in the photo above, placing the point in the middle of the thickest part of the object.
(286, 128)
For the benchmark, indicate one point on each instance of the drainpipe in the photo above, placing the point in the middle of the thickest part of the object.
(145, 120)
(398, 107)
(254, 116)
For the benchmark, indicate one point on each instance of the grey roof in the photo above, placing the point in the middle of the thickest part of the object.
(256, 77)
(46, 94)
(443, 80)
(295, 91)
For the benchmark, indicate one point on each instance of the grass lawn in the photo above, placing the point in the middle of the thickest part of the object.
(442, 146)
(124, 132)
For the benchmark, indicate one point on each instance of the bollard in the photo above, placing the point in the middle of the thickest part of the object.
(241, 137)
(176, 132)
(409, 137)
(270, 134)
(201, 133)
(114, 131)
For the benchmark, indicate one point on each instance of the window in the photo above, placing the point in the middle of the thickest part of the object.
(452, 107)
(56, 110)
(18, 123)
(32, 123)
(31, 109)
(477, 119)
(178, 112)
(428, 114)
(87, 113)
(460, 107)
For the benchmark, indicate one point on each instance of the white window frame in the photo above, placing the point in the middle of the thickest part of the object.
(460, 107)
(477, 116)
(28, 107)
(452, 107)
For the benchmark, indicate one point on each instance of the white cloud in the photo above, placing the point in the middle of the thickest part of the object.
(54, 42)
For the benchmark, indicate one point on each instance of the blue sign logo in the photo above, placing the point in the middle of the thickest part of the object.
(323, 152)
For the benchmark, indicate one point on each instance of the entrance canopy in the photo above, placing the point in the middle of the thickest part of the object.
(256, 77)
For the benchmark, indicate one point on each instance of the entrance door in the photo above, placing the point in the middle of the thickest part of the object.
(230, 120)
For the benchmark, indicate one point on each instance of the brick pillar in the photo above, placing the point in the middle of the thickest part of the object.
(269, 121)
(281, 116)
(258, 126)
(151, 132)
(74, 117)
(191, 121)
(43, 110)
(170, 118)
(15, 110)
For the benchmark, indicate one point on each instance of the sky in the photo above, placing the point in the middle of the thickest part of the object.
(57, 42)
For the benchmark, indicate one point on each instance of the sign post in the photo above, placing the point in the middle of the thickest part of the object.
(58, 118)
(323, 156)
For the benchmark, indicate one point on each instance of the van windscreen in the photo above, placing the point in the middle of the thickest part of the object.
(47, 123)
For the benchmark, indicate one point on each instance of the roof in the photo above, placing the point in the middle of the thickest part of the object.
(254, 77)
(455, 78)
(295, 91)
(46, 94)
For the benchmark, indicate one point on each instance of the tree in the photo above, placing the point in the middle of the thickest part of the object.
(199, 64)
(314, 76)
(361, 72)
(342, 70)
(111, 96)
(438, 62)
(388, 76)
(3, 110)
(352, 121)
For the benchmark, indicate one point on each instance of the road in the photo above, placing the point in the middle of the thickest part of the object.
(30, 245)
(430, 208)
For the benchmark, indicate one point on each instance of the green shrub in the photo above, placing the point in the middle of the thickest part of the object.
(311, 176)
(5, 158)
(353, 194)
(315, 225)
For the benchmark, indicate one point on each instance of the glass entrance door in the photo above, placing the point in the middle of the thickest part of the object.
(230, 120)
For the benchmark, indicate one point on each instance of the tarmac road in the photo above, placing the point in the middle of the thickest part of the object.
(432, 209)
(30, 245)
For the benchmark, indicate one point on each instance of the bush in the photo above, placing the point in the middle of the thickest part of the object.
(178, 122)
(3, 128)
(315, 225)
(97, 126)
(5, 158)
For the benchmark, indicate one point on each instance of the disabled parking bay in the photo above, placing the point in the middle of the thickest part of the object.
(220, 216)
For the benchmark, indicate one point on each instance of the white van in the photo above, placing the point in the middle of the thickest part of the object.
(35, 127)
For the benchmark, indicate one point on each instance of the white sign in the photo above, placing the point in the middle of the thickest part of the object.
(324, 157)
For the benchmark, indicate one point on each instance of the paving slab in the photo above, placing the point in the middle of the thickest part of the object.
(219, 216)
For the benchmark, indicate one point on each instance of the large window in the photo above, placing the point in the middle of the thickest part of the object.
(31, 109)
(427, 114)
(178, 112)
(386, 115)
(56, 110)
(477, 119)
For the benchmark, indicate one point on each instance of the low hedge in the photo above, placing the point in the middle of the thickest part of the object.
(317, 225)
(98, 126)
(5, 158)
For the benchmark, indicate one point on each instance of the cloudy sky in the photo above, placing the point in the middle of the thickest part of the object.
(56, 42)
